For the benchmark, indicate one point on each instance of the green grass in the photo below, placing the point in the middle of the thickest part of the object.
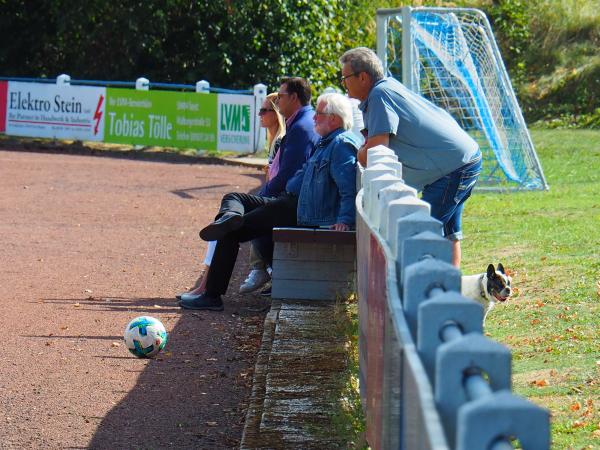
(348, 421)
(550, 242)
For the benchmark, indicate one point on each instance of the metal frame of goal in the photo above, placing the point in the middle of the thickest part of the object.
(450, 56)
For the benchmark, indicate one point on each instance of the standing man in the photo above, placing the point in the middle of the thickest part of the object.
(438, 157)
(321, 194)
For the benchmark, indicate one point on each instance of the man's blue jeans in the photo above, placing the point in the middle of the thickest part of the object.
(447, 196)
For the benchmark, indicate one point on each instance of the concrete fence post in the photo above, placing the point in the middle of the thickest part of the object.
(260, 133)
(384, 197)
(473, 353)
(203, 87)
(374, 171)
(377, 150)
(401, 228)
(485, 421)
(63, 80)
(379, 156)
(375, 187)
(370, 174)
(420, 279)
(142, 84)
(422, 245)
(387, 160)
(439, 311)
(396, 210)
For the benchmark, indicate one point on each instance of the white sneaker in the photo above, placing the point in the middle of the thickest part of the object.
(257, 278)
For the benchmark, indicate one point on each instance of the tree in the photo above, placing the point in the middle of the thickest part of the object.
(232, 44)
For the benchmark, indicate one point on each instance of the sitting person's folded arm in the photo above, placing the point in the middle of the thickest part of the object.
(343, 172)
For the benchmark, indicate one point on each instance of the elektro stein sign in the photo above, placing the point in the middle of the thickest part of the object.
(50, 111)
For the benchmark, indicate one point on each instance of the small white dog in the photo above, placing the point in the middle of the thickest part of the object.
(488, 287)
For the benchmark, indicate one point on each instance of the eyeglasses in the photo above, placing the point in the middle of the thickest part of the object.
(320, 113)
(279, 94)
(343, 78)
(263, 111)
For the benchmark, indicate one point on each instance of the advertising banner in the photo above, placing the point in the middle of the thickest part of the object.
(51, 111)
(3, 89)
(179, 119)
(236, 122)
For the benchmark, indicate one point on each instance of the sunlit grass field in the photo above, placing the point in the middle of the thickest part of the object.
(550, 242)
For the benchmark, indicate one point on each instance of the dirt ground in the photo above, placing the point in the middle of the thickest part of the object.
(89, 243)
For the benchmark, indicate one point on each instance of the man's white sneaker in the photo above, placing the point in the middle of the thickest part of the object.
(257, 278)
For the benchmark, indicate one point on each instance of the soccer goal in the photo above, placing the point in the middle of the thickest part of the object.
(450, 56)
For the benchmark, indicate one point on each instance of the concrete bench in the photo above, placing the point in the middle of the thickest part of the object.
(313, 264)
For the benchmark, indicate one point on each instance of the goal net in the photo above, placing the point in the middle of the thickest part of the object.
(450, 56)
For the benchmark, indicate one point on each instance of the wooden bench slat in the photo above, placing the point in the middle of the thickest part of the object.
(311, 251)
(311, 289)
(313, 263)
(314, 235)
(315, 270)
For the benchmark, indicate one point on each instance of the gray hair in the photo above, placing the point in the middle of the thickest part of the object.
(338, 105)
(363, 59)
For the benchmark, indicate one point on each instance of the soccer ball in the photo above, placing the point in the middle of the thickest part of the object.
(145, 336)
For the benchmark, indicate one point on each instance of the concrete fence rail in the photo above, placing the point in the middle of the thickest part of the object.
(429, 378)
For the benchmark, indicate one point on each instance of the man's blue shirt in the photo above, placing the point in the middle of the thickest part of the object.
(428, 141)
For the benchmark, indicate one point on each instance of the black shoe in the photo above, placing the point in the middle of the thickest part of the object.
(202, 301)
(220, 227)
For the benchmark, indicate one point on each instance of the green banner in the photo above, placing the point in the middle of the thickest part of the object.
(161, 118)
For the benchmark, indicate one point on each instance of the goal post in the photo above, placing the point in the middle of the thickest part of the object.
(450, 56)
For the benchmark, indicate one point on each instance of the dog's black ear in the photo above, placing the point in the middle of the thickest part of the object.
(501, 268)
(491, 271)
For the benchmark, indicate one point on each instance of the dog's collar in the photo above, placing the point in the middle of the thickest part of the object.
(482, 287)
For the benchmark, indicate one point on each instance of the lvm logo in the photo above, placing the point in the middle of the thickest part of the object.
(235, 117)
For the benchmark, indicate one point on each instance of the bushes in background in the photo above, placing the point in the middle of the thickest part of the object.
(229, 43)
(549, 46)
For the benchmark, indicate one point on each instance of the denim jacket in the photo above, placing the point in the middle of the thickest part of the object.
(328, 189)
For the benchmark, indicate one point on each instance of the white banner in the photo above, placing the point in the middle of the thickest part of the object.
(51, 111)
(235, 122)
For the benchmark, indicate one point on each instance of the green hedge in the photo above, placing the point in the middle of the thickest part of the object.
(234, 43)
(549, 47)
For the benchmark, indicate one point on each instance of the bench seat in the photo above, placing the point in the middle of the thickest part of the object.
(313, 264)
